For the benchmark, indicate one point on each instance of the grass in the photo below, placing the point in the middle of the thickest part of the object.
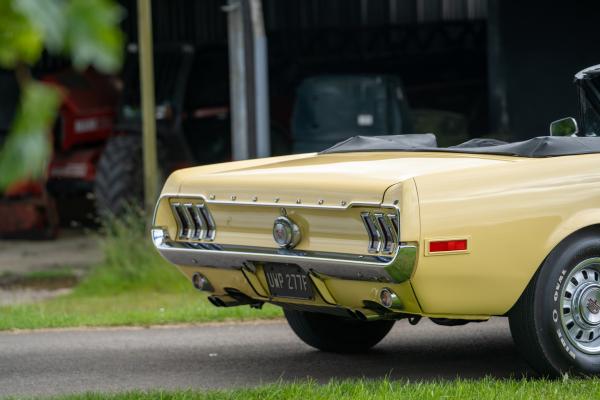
(126, 309)
(382, 389)
(133, 286)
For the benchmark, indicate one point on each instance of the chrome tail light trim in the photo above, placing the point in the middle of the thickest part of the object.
(200, 231)
(373, 232)
(211, 227)
(383, 231)
(194, 221)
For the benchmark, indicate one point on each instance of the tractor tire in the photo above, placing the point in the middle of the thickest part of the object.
(119, 176)
(556, 322)
(336, 334)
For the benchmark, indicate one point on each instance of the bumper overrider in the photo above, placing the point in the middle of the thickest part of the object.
(375, 278)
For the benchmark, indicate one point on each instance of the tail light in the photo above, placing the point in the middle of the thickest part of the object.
(194, 221)
(383, 230)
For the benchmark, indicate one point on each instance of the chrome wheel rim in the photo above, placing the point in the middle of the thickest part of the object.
(580, 306)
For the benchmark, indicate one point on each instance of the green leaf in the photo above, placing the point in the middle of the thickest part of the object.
(48, 17)
(27, 148)
(87, 31)
(20, 40)
(93, 37)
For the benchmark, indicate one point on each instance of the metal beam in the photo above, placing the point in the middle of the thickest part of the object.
(248, 80)
(148, 108)
(237, 81)
(260, 80)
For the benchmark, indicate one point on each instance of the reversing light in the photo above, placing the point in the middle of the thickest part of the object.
(388, 298)
(447, 245)
(200, 282)
(194, 221)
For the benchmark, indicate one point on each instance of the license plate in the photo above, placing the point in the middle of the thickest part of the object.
(288, 280)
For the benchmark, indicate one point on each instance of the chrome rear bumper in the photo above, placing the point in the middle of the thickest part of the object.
(396, 268)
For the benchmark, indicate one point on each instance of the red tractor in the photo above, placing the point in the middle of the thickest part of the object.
(97, 143)
(27, 208)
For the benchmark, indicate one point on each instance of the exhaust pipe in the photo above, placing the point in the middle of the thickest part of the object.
(368, 315)
(215, 301)
(224, 301)
(234, 298)
(360, 315)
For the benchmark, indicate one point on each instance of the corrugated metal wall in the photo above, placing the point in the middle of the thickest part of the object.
(204, 23)
(429, 43)
(307, 14)
(199, 22)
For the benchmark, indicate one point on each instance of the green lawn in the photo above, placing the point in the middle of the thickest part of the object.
(133, 286)
(134, 308)
(384, 389)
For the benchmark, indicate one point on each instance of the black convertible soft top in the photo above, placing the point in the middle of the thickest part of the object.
(542, 146)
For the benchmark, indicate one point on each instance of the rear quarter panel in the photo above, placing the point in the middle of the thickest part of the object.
(514, 214)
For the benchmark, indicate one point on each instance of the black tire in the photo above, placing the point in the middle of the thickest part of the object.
(336, 334)
(119, 176)
(537, 319)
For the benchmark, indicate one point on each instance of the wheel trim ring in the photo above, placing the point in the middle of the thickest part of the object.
(574, 294)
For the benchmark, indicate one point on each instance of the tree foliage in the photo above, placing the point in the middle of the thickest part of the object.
(85, 31)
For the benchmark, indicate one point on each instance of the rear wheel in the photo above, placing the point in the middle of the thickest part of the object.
(336, 334)
(556, 322)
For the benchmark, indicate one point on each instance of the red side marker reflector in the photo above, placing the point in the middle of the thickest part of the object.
(447, 245)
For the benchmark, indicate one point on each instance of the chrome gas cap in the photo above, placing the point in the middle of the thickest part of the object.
(285, 232)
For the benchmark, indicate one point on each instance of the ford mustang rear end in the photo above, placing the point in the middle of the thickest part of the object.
(349, 240)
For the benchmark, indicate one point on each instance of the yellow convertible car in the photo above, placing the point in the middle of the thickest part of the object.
(376, 229)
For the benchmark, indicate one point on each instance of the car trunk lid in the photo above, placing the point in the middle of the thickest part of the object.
(327, 180)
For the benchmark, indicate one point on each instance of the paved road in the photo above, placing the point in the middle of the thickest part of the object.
(222, 356)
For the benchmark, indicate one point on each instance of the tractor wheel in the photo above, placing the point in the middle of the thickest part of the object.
(119, 176)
